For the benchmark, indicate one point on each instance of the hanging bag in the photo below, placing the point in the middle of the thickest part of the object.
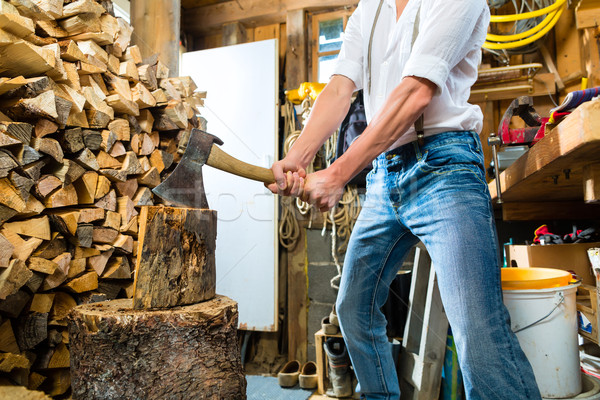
(355, 121)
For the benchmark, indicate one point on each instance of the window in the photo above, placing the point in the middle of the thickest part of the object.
(327, 32)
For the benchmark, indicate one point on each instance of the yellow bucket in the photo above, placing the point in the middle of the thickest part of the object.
(534, 278)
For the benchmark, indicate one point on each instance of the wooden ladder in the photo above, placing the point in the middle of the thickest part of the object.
(424, 345)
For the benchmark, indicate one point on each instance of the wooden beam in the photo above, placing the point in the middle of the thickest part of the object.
(297, 300)
(156, 30)
(234, 33)
(588, 14)
(591, 190)
(296, 66)
(251, 13)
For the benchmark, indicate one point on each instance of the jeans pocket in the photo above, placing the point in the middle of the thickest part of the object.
(454, 157)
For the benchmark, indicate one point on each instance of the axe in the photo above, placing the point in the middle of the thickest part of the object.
(185, 186)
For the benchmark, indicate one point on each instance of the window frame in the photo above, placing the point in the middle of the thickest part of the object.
(314, 34)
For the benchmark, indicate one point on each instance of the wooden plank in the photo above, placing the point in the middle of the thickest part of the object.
(591, 189)
(569, 54)
(208, 19)
(553, 168)
(587, 14)
(549, 210)
(296, 67)
(157, 30)
(543, 84)
(297, 300)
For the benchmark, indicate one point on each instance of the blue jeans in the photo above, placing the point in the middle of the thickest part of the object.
(435, 193)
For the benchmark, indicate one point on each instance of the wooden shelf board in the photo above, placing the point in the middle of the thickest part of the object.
(571, 145)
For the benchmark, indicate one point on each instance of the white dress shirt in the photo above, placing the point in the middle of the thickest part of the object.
(447, 51)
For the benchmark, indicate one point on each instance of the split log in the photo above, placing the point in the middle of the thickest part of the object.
(53, 7)
(32, 330)
(86, 187)
(68, 171)
(108, 202)
(176, 262)
(6, 251)
(120, 128)
(14, 304)
(8, 342)
(117, 268)
(89, 215)
(87, 159)
(48, 146)
(83, 283)
(76, 268)
(46, 185)
(42, 265)
(98, 263)
(13, 278)
(201, 338)
(143, 197)
(69, 51)
(34, 227)
(118, 149)
(42, 302)
(63, 197)
(65, 221)
(51, 249)
(18, 130)
(102, 188)
(26, 59)
(84, 235)
(127, 188)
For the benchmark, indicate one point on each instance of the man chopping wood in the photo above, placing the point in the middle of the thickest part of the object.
(414, 58)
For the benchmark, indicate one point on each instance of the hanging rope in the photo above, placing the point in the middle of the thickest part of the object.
(341, 218)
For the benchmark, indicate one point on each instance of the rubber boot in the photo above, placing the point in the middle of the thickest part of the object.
(340, 375)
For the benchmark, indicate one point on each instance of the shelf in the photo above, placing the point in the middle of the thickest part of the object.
(556, 177)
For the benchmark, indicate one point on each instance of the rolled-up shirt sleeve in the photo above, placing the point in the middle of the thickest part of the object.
(442, 38)
(350, 59)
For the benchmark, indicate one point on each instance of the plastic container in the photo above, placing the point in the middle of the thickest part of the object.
(545, 321)
(534, 278)
(590, 389)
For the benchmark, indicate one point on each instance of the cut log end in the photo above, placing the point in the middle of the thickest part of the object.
(194, 351)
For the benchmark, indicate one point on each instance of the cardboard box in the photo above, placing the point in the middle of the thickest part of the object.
(570, 257)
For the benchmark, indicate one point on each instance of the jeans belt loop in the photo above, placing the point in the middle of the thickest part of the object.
(417, 149)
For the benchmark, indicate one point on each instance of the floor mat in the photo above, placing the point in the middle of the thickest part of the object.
(267, 388)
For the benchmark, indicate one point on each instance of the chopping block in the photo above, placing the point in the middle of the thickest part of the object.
(176, 339)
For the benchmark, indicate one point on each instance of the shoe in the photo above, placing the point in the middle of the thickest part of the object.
(333, 319)
(340, 375)
(328, 327)
(308, 376)
(288, 375)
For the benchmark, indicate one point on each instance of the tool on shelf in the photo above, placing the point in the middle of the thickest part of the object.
(521, 107)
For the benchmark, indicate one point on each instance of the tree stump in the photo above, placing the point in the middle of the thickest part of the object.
(188, 352)
(176, 257)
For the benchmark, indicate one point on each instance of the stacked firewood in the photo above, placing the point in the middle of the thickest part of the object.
(87, 129)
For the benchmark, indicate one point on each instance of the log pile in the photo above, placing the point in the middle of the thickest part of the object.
(87, 129)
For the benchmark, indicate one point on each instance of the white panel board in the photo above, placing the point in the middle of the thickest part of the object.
(241, 109)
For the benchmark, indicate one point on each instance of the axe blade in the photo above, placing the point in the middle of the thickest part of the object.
(185, 186)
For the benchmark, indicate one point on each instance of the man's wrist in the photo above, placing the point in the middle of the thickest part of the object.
(338, 174)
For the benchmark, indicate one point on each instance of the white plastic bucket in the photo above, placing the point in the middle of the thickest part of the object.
(545, 321)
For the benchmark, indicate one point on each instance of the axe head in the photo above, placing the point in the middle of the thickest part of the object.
(185, 186)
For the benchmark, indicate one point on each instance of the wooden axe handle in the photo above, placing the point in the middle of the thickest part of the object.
(223, 161)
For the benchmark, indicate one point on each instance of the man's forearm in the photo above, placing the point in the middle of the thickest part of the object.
(402, 108)
(327, 114)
